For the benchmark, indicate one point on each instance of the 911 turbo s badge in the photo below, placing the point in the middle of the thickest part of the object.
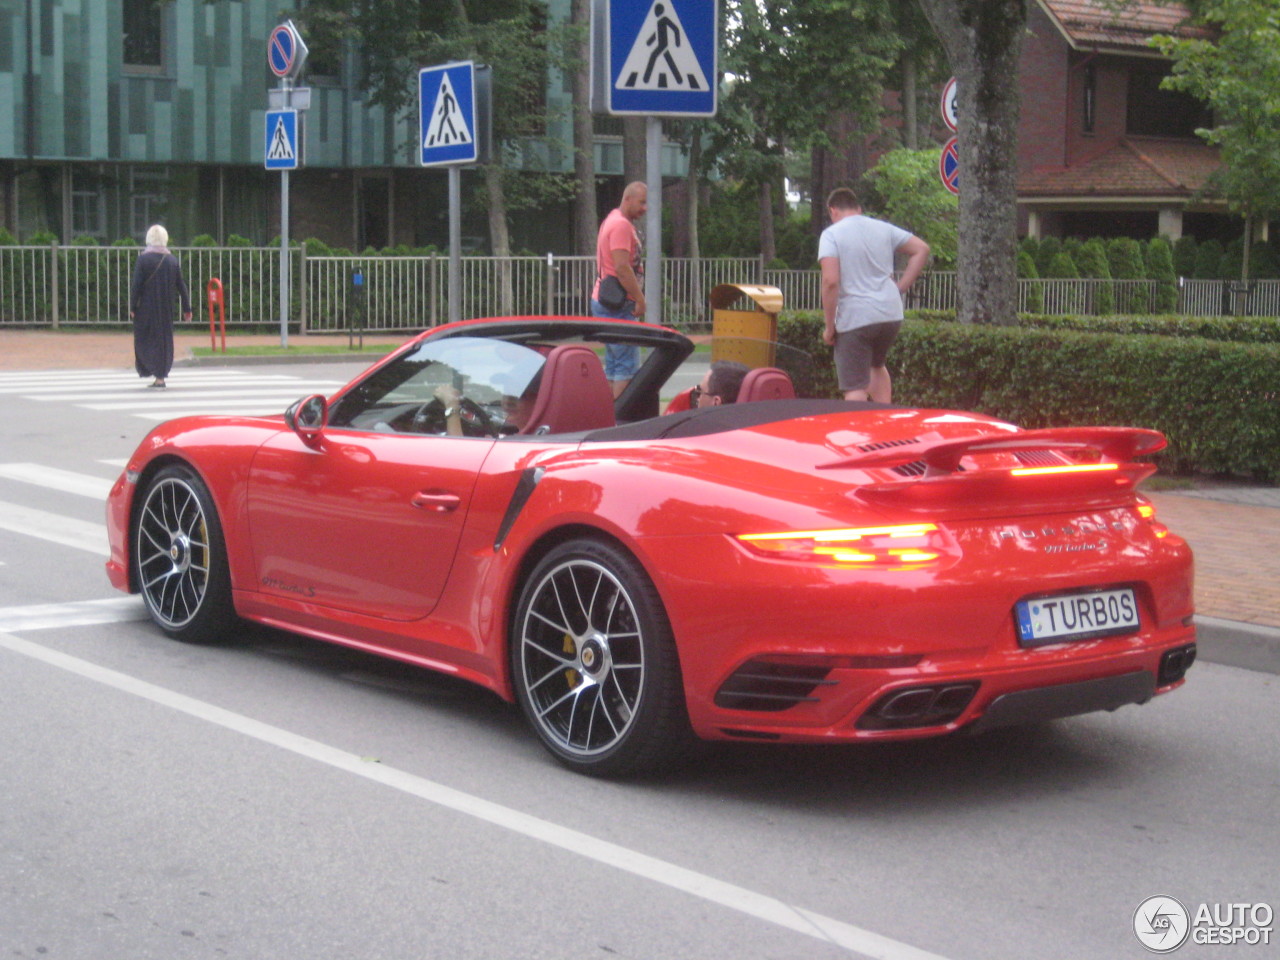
(271, 583)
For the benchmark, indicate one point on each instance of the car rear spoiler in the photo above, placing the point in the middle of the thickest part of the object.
(1093, 467)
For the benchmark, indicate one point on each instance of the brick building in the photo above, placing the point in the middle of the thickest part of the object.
(1103, 151)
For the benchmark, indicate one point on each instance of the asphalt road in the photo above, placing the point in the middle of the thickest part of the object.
(276, 797)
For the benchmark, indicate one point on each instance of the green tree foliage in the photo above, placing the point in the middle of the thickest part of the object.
(1159, 257)
(1092, 261)
(794, 65)
(1034, 300)
(512, 36)
(1124, 254)
(1237, 73)
(1208, 261)
(904, 188)
(1184, 256)
(1049, 248)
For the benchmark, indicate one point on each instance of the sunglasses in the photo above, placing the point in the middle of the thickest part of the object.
(695, 394)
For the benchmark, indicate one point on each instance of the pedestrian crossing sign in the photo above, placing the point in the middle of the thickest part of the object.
(453, 114)
(656, 57)
(282, 140)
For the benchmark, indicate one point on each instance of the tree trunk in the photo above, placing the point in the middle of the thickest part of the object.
(910, 123)
(585, 217)
(633, 150)
(696, 296)
(983, 42)
(500, 237)
(768, 247)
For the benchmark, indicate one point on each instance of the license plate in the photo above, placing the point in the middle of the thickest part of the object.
(1076, 616)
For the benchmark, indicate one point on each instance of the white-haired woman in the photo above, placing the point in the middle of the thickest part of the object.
(157, 285)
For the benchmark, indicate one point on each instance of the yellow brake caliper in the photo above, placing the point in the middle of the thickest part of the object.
(571, 676)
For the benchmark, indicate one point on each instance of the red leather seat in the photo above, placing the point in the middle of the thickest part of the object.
(766, 383)
(574, 394)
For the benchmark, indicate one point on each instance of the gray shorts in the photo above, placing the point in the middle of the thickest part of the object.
(860, 349)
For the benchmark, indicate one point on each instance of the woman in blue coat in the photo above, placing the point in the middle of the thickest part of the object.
(157, 284)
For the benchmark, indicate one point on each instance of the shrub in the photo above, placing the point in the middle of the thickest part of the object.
(1033, 377)
(1208, 260)
(1124, 255)
(1093, 264)
(1050, 247)
(1160, 269)
(1035, 291)
(1184, 256)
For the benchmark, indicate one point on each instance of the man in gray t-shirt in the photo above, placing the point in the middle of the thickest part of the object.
(861, 301)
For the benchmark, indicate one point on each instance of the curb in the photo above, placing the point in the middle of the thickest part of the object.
(1234, 643)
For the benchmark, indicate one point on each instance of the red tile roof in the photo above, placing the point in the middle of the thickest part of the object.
(1093, 23)
(1150, 168)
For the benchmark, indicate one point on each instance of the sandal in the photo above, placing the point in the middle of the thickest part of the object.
(156, 383)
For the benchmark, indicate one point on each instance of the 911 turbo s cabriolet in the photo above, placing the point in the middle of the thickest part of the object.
(780, 568)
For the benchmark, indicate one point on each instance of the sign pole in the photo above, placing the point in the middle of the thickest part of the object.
(284, 258)
(653, 221)
(455, 244)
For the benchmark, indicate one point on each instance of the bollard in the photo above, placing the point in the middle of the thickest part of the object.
(213, 290)
(355, 316)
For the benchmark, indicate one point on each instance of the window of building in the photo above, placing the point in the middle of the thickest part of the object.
(88, 206)
(1153, 112)
(143, 35)
(148, 198)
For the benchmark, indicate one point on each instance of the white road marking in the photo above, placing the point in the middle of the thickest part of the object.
(121, 464)
(208, 398)
(52, 478)
(82, 613)
(56, 529)
(728, 895)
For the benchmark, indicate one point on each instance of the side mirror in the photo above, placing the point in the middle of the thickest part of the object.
(307, 417)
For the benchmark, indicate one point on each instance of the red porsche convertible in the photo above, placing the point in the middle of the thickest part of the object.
(779, 568)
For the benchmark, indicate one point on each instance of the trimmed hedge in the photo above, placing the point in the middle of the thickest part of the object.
(1217, 402)
(1227, 329)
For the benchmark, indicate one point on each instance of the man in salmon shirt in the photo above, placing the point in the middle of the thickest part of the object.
(618, 254)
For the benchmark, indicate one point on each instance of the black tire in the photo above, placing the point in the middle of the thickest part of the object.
(179, 557)
(594, 664)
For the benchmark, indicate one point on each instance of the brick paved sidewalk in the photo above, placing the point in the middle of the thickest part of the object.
(77, 350)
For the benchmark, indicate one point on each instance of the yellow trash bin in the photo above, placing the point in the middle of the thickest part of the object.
(745, 331)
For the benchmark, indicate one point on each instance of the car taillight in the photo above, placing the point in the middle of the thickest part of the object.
(889, 547)
(1147, 511)
(1071, 468)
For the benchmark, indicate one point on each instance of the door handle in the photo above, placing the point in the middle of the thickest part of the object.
(436, 501)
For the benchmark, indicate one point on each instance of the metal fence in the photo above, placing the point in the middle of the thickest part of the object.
(89, 286)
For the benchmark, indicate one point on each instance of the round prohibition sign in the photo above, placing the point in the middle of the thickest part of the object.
(282, 48)
(949, 166)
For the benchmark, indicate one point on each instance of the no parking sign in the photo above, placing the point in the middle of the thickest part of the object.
(949, 166)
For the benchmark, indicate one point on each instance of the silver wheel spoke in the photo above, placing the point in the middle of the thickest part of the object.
(584, 702)
(173, 552)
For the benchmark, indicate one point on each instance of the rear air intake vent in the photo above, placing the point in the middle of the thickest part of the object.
(886, 444)
(916, 468)
(770, 687)
(1040, 458)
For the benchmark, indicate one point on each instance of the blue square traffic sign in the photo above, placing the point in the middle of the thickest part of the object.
(447, 129)
(281, 143)
(662, 57)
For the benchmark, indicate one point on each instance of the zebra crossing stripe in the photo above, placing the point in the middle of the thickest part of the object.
(52, 478)
(84, 613)
(66, 531)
